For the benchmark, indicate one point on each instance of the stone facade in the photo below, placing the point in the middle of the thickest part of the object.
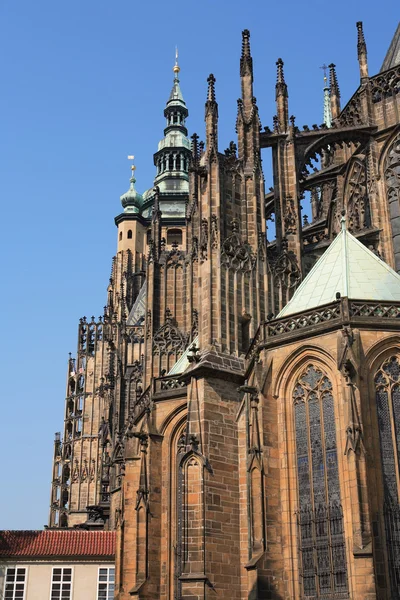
(267, 466)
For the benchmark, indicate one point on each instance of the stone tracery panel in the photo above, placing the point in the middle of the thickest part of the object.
(387, 394)
(358, 211)
(392, 179)
(320, 517)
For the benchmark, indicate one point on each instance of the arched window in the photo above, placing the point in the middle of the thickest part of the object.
(129, 236)
(120, 235)
(148, 236)
(387, 389)
(320, 518)
(174, 236)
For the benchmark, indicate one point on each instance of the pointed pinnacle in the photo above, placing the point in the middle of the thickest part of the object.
(211, 88)
(245, 43)
(246, 62)
(280, 87)
(333, 82)
(361, 45)
(280, 77)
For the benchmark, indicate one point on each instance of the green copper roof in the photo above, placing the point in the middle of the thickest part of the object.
(182, 363)
(327, 108)
(348, 267)
(132, 200)
(176, 94)
(138, 310)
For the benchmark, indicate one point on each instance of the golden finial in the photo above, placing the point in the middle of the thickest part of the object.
(176, 68)
(133, 168)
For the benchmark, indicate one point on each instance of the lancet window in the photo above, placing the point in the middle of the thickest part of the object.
(387, 389)
(320, 517)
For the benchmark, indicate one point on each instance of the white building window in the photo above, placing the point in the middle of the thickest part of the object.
(61, 584)
(105, 590)
(14, 587)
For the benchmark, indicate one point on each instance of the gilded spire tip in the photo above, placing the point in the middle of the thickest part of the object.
(176, 67)
(133, 168)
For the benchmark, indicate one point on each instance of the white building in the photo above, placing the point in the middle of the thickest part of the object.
(69, 564)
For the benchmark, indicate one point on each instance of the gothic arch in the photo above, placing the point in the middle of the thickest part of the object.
(171, 417)
(376, 353)
(172, 429)
(391, 168)
(390, 172)
(356, 194)
(386, 148)
(319, 492)
(383, 445)
(285, 383)
(294, 362)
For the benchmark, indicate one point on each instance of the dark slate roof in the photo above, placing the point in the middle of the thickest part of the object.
(392, 58)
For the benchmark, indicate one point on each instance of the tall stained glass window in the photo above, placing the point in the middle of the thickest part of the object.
(320, 517)
(387, 388)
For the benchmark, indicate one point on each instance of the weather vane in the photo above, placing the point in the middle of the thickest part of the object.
(176, 68)
(324, 68)
(132, 158)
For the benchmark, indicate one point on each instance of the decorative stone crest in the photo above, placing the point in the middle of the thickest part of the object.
(236, 255)
(204, 240)
(289, 218)
(169, 339)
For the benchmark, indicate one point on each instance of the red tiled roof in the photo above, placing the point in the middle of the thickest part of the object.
(73, 543)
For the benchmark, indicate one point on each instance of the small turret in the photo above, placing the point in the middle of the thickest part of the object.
(173, 154)
(132, 201)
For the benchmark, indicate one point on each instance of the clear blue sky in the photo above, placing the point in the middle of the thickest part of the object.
(84, 84)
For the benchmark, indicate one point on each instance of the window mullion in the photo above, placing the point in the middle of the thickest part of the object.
(394, 437)
(312, 504)
(328, 512)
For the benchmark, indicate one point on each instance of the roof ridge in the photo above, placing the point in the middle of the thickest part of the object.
(349, 268)
(392, 57)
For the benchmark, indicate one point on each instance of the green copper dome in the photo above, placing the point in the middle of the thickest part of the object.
(132, 201)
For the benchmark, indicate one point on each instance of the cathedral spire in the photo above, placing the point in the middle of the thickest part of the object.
(334, 91)
(246, 71)
(211, 115)
(362, 52)
(246, 61)
(173, 154)
(327, 100)
(281, 96)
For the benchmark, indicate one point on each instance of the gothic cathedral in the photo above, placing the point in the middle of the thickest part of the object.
(235, 413)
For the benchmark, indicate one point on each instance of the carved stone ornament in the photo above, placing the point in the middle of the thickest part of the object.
(169, 339)
(214, 231)
(358, 216)
(194, 253)
(286, 269)
(235, 254)
(392, 172)
(204, 240)
(174, 256)
(289, 218)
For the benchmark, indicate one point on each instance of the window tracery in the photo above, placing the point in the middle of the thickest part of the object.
(387, 394)
(358, 210)
(392, 172)
(320, 516)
